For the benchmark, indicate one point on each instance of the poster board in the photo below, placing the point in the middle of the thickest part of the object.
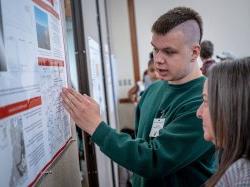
(34, 127)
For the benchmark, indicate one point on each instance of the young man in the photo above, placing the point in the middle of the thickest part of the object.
(169, 149)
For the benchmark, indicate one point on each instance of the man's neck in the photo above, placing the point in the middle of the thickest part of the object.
(196, 73)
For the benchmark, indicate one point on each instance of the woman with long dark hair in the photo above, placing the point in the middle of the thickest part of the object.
(225, 113)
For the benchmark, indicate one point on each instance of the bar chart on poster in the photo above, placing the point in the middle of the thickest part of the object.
(34, 127)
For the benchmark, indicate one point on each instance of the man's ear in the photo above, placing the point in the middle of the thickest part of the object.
(195, 52)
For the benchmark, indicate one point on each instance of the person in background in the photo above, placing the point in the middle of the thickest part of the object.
(226, 120)
(169, 149)
(149, 76)
(206, 54)
(135, 91)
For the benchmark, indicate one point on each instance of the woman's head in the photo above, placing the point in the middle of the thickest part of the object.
(229, 103)
(228, 100)
(151, 70)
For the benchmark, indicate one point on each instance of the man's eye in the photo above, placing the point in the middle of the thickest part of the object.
(169, 52)
(155, 50)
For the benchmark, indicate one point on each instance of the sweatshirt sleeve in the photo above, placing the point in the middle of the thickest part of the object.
(179, 143)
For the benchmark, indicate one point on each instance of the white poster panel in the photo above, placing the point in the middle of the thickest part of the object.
(96, 73)
(110, 88)
(34, 127)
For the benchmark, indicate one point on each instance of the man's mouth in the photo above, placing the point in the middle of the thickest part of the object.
(162, 71)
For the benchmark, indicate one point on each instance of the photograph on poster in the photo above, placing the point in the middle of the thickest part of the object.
(3, 65)
(19, 163)
(42, 29)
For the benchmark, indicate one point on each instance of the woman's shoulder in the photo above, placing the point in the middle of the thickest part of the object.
(241, 163)
(238, 174)
(239, 166)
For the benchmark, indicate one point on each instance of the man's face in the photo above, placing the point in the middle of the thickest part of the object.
(172, 56)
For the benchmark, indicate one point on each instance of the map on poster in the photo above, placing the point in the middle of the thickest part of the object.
(34, 127)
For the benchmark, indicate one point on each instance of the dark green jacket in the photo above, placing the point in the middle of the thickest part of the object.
(179, 156)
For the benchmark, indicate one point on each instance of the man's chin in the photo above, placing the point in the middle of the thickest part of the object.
(165, 78)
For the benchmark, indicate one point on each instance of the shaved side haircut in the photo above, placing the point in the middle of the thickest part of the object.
(188, 21)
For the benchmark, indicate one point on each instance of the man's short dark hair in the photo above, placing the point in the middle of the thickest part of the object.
(207, 49)
(175, 17)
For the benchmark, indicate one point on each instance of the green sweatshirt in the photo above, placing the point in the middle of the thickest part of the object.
(179, 156)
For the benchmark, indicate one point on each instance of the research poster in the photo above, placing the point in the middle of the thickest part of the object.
(34, 127)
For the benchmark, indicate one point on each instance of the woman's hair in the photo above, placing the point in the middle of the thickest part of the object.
(229, 105)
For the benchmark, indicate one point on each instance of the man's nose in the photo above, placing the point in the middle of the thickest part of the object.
(158, 57)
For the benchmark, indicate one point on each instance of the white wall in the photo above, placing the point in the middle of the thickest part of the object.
(120, 43)
(226, 24)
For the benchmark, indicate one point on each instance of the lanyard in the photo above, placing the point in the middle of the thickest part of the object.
(163, 112)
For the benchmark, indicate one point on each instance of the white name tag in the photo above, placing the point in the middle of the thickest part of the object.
(158, 124)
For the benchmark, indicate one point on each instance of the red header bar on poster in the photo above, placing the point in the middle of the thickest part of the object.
(21, 106)
(49, 62)
(46, 7)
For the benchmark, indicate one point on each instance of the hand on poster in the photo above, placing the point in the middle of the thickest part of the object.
(84, 110)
